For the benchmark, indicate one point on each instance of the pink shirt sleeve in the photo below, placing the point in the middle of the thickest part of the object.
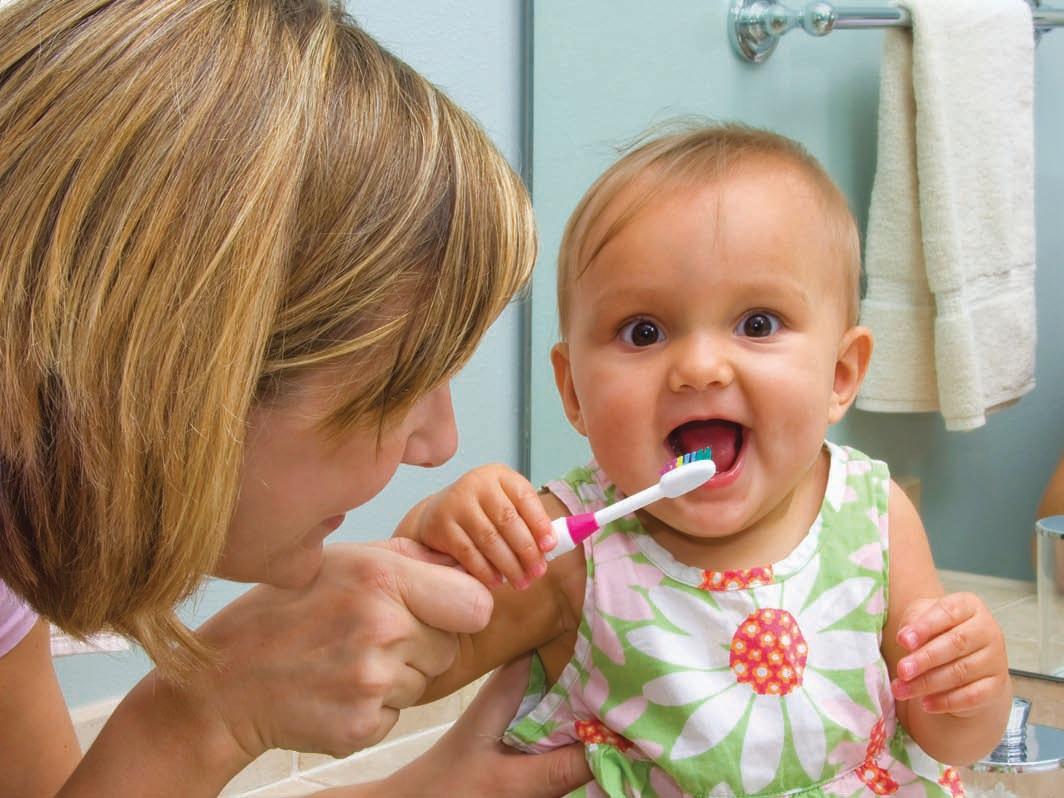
(16, 619)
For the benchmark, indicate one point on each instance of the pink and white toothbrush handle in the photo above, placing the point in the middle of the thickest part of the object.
(570, 531)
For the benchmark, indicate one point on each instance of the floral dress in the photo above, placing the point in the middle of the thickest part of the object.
(760, 682)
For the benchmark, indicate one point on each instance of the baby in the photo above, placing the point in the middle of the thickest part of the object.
(780, 630)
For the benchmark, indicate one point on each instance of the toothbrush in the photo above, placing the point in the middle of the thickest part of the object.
(680, 476)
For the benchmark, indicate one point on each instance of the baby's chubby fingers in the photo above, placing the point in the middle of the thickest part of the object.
(956, 654)
(515, 530)
(953, 673)
(942, 621)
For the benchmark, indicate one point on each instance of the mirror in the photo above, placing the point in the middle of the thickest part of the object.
(604, 72)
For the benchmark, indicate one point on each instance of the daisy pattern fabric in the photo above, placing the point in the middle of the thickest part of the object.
(763, 682)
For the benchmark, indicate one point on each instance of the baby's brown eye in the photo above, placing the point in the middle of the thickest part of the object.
(758, 325)
(641, 332)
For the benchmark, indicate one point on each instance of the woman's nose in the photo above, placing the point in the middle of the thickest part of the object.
(434, 439)
(698, 364)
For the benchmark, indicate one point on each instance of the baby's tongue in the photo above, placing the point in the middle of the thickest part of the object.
(720, 436)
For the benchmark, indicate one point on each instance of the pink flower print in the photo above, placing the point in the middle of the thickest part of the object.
(858, 467)
(769, 653)
(615, 566)
(736, 580)
(951, 780)
(594, 732)
(869, 556)
(621, 716)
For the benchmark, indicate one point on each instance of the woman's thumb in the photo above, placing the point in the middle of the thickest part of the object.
(556, 773)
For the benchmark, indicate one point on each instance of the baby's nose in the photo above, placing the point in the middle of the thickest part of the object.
(699, 365)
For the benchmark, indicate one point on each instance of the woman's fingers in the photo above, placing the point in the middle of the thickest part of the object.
(438, 596)
(505, 770)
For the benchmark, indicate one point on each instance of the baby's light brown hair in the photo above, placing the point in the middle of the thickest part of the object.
(696, 155)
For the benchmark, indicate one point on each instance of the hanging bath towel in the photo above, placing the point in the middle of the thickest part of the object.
(949, 256)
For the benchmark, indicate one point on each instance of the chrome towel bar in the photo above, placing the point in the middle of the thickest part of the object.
(755, 26)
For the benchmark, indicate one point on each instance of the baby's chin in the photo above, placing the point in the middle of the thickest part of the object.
(694, 526)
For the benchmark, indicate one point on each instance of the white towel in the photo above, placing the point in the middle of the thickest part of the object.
(949, 256)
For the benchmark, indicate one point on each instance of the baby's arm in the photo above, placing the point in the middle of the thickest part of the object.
(491, 521)
(946, 653)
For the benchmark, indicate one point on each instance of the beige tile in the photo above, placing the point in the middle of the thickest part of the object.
(88, 720)
(1026, 655)
(996, 591)
(1047, 700)
(411, 721)
(271, 767)
(376, 762)
(1019, 620)
(289, 788)
(1013, 785)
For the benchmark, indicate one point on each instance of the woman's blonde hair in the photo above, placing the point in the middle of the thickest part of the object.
(683, 153)
(200, 201)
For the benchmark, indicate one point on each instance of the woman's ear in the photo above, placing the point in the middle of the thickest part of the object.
(855, 351)
(563, 378)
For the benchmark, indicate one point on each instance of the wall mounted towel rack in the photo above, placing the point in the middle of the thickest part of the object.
(755, 26)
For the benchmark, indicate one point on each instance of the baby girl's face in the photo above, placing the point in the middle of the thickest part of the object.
(714, 317)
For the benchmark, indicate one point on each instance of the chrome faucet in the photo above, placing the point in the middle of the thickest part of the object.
(1025, 747)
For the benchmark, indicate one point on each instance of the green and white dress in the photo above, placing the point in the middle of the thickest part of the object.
(761, 682)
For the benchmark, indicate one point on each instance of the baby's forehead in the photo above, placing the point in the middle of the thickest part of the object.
(792, 184)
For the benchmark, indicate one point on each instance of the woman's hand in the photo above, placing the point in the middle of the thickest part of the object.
(470, 761)
(327, 668)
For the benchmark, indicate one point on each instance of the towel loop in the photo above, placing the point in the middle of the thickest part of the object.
(756, 26)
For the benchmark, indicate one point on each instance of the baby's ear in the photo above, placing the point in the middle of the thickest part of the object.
(563, 378)
(855, 351)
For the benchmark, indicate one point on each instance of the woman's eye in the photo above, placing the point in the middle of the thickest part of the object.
(759, 324)
(641, 332)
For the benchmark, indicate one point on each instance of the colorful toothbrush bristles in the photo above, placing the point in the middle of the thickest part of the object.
(704, 453)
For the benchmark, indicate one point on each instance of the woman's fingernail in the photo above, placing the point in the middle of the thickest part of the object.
(906, 669)
(546, 543)
(908, 639)
(539, 569)
(902, 690)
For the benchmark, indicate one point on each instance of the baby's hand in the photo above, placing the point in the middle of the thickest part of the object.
(956, 662)
(491, 521)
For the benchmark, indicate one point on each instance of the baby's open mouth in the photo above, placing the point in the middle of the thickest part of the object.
(725, 438)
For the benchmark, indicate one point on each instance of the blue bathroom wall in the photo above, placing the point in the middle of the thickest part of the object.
(472, 49)
(604, 70)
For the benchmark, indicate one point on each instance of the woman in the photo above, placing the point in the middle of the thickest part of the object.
(242, 251)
